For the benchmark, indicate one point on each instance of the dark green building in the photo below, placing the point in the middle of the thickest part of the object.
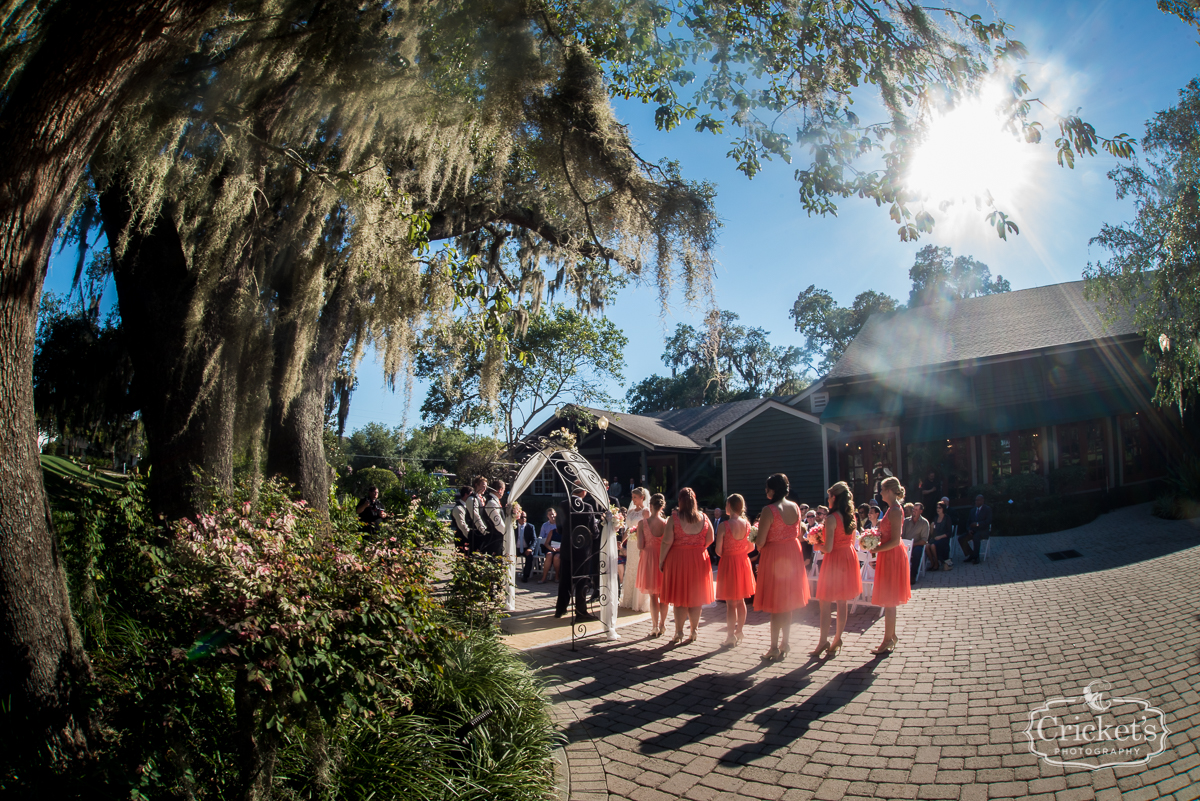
(983, 389)
(979, 391)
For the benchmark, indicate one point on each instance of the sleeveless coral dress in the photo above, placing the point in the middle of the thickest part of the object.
(649, 576)
(735, 576)
(687, 571)
(782, 583)
(891, 569)
(841, 575)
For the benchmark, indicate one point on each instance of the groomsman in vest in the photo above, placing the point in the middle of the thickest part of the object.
(458, 519)
(476, 518)
(979, 525)
(493, 509)
(526, 536)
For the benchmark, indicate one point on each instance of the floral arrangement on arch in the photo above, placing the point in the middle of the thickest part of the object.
(563, 437)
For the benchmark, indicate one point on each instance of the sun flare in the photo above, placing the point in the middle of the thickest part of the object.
(967, 154)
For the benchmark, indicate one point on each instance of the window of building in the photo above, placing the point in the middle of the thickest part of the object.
(1013, 453)
(1141, 458)
(1085, 444)
(546, 482)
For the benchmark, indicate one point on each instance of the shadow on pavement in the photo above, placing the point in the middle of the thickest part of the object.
(787, 724)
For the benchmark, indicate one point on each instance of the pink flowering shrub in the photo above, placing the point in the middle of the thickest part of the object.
(301, 605)
(271, 617)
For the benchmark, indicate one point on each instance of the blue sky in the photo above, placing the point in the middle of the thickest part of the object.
(1117, 62)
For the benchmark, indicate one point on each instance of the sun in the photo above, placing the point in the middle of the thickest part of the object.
(968, 155)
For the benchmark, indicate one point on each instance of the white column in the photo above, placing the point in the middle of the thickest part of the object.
(825, 453)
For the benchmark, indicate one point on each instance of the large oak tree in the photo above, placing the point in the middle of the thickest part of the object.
(67, 68)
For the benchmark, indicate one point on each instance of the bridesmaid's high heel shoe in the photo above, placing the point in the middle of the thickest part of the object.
(772, 655)
(816, 652)
(730, 641)
(678, 638)
(887, 647)
(832, 651)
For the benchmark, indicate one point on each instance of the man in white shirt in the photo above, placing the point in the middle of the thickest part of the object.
(551, 544)
(916, 528)
(526, 543)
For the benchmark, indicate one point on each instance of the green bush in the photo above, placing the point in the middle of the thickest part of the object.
(414, 752)
(1024, 487)
(475, 595)
(1068, 479)
(262, 649)
(429, 489)
(990, 492)
(356, 484)
(1181, 501)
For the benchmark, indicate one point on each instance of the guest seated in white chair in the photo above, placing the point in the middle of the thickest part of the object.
(937, 550)
(916, 529)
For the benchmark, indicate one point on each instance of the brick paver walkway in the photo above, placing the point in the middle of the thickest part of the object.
(942, 717)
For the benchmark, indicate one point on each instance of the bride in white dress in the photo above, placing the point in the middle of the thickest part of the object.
(631, 596)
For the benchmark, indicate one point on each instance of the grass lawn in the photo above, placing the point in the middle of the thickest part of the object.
(56, 471)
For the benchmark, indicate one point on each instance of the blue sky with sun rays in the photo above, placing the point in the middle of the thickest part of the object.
(1116, 62)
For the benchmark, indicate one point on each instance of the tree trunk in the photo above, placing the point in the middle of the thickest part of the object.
(188, 417)
(257, 746)
(91, 55)
(296, 444)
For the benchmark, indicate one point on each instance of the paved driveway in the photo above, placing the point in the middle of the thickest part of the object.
(942, 717)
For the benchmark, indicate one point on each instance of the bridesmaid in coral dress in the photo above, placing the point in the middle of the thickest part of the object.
(735, 576)
(891, 563)
(782, 583)
(841, 575)
(687, 571)
(651, 529)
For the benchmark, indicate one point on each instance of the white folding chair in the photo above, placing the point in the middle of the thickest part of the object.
(921, 567)
(867, 563)
(814, 572)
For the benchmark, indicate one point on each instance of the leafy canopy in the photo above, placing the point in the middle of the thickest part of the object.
(563, 357)
(830, 328)
(937, 277)
(722, 362)
(1153, 273)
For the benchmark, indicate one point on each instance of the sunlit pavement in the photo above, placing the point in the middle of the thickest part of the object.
(942, 717)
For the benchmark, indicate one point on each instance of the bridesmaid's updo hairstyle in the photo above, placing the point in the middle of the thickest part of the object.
(892, 483)
(658, 501)
(843, 504)
(778, 483)
(687, 506)
(737, 503)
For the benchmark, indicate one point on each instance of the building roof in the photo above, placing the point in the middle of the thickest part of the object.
(682, 429)
(978, 328)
